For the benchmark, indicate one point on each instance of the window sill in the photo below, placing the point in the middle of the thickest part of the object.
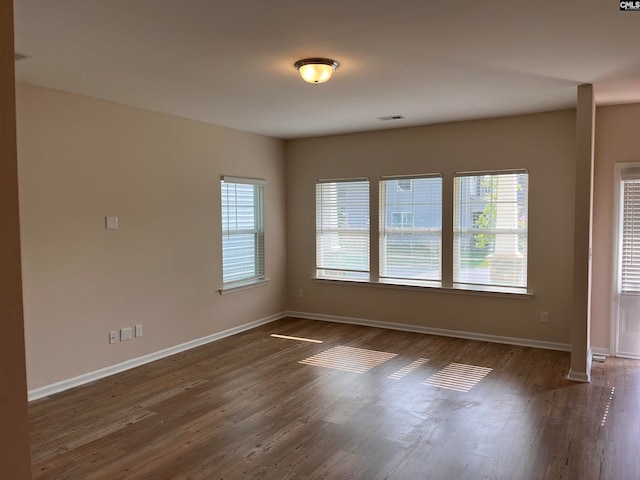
(242, 286)
(481, 291)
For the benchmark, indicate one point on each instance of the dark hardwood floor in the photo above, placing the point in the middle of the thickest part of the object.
(401, 406)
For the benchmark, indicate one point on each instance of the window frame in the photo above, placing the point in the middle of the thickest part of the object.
(257, 275)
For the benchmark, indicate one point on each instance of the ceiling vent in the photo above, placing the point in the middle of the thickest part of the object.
(19, 56)
(391, 117)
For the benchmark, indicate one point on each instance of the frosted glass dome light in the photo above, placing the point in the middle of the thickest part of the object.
(316, 70)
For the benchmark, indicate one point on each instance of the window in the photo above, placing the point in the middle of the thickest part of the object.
(242, 231)
(489, 242)
(411, 229)
(490, 249)
(630, 240)
(342, 229)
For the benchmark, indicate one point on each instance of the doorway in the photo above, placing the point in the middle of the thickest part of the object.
(626, 299)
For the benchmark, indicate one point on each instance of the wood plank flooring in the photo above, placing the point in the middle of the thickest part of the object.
(246, 408)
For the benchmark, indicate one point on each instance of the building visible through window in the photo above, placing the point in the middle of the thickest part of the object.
(402, 219)
(404, 185)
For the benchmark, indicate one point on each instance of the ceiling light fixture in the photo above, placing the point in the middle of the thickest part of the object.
(316, 70)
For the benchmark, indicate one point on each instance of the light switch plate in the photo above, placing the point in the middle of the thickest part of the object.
(111, 223)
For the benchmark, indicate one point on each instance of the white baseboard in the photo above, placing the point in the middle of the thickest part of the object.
(578, 377)
(524, 342)
(57, 387)
(584, 377)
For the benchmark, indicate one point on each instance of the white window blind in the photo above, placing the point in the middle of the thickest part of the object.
(411, 229)
(242, 231)
(342, 229)
(490, 220)
(630, 258)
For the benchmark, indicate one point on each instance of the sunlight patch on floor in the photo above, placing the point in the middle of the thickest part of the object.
(300, 339)
(348, 359)
(458, 377)
(403, 372)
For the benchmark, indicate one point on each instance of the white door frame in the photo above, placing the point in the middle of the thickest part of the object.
(617, 247)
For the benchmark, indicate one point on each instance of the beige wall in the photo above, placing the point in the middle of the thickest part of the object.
(81, 159)
(14, 430)
(542, 143)
(617, 141)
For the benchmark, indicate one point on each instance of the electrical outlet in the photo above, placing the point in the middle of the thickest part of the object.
(138, 330)
(300, 293)
(125, 334)
(113, 337)
(544, 317)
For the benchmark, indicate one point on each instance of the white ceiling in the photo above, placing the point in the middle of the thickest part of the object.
(230, 62)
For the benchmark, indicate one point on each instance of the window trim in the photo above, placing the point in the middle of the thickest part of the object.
(239, 287)
(426, 287)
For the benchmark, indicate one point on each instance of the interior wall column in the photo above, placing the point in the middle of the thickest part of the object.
(15, 463)
(581, 322)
